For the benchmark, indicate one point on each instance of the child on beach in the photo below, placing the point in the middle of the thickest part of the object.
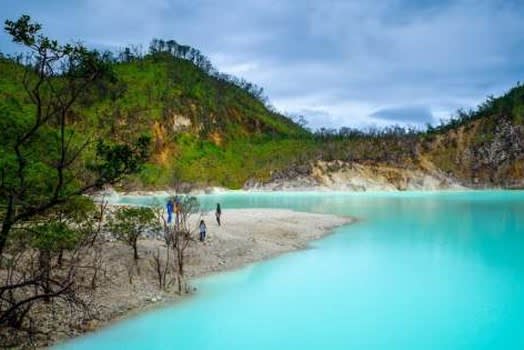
(202, 230)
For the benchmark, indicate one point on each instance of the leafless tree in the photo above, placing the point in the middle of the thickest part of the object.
(179, 235)
(162, 267)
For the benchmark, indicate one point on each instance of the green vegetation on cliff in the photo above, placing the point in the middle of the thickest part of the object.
(204, 129)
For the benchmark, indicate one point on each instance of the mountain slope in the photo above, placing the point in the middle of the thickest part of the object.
(205, 130)
(208, 131)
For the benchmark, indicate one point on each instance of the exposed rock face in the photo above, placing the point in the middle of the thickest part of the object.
(180, 123)
(486, 153)
(346, 176)
(506, 146)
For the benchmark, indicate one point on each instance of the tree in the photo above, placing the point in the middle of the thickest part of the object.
(48, 161)
(31, 276)
(129, 224)
(178, 237)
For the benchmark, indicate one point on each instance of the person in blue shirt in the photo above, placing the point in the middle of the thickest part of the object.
(169, 208)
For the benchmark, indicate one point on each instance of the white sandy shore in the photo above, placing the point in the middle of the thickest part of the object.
(249, 235)
(246, 236)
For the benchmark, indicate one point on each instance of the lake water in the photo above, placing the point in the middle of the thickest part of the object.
(418, 271)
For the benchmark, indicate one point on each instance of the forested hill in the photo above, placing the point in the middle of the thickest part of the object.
(206, 127)
(210, 129)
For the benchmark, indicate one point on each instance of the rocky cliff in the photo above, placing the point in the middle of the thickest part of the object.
(488, 152)
(346, 176)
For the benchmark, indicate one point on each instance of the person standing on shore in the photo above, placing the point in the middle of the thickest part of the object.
(202, 230)
(218, 213)
(169, 208)
(177, 211)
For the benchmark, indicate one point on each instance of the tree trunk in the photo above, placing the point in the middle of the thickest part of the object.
(181, 262)
(60, 258)
(6, 227)
(45, 266)
(180, 284)
(135, 251)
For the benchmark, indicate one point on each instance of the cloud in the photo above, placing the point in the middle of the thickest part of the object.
(405, 114)
(347, 59)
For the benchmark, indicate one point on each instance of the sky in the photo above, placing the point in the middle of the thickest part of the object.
(337, 63)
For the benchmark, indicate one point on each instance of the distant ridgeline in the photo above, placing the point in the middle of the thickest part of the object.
(213, 129)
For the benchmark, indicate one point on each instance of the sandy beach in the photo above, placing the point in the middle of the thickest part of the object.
(245, 236)
(249, 235)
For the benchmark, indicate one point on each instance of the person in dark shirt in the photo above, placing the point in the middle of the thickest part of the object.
(218, 213)
(202, 230)
(178, 209)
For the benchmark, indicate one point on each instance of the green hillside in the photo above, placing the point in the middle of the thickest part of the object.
(204, 130)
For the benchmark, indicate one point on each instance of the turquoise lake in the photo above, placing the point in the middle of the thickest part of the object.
(418, 271)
